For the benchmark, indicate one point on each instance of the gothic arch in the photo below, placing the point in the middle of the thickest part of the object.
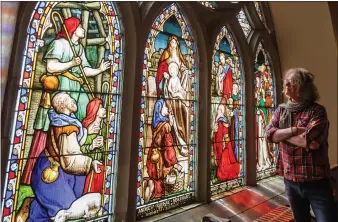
(168, 126)
(18, 140)
(228, 113)
(137, 20)
(265, 104)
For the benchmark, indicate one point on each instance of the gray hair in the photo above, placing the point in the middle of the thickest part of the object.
(304, 80)
(60, 101)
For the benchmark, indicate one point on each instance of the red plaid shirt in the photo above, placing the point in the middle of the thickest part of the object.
(296, 163)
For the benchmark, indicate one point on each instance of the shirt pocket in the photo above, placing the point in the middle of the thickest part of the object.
(303, 121)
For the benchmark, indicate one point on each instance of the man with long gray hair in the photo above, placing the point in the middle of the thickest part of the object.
(301, 127)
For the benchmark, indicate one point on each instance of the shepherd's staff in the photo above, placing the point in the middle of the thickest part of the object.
(83, 75)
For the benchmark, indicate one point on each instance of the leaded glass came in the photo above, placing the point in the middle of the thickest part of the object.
(265, 103)
(243, 21)
(62, 158)
(227, 115)
(168, 126)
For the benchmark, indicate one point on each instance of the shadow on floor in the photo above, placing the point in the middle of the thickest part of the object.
(245, 204)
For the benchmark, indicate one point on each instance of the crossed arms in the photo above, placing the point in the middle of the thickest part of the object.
(311, 136)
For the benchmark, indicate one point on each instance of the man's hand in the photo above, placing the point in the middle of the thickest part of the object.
(95, 166)
(104, 65)
(76, 61)
(97, 143)
(300, 130)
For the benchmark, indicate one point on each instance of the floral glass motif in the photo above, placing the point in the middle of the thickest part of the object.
(265, 103)
(168, 125)
(259, 11)
(243, 21)
(208, 4)
(64, 100)
(227, 115)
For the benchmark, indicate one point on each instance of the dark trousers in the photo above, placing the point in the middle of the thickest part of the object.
(318, 194)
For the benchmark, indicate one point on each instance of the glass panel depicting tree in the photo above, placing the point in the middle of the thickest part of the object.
(227, 115)
(265, 103)
(168, 126)
(259, 11)
(243, 21)
(62, 159)
(208, 4)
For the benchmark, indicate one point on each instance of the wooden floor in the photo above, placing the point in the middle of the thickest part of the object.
(245, 204)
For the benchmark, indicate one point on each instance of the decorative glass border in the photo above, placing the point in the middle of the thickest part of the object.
(39, 23)
(270, 171)
(221, 187)
(178, 199)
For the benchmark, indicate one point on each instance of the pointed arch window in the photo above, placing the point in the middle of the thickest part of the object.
(265, 104)
(227, 115)
(168, 126)
(243, 21)
(64, 136)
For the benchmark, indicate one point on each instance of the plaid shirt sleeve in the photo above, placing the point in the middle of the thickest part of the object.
(273, 126)
(317, 128)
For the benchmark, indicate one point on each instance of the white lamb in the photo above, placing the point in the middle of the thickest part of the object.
(85, 207)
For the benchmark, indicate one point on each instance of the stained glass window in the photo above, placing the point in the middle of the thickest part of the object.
(227, 115)
(64, 139)
(208, 4)
(243, 21)
(259, 11)
(168, 126)
(265, 103)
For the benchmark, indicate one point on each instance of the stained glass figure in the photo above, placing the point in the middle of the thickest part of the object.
(227, 115)
(243, 21)
(64, 142)
(265, 103)
(168, 126)
(259, 11)
(208, 4)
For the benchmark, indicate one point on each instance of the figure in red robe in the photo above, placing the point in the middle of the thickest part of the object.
(41, 124)
(225, 160)
(224, 77)
(178, 107)
(94, 145)
(161, 159)
(171, 54)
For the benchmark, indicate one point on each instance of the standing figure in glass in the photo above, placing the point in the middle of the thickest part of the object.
(225, 159)
(224, 79)
(180, 110)
(264, 156)
(66, 66)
